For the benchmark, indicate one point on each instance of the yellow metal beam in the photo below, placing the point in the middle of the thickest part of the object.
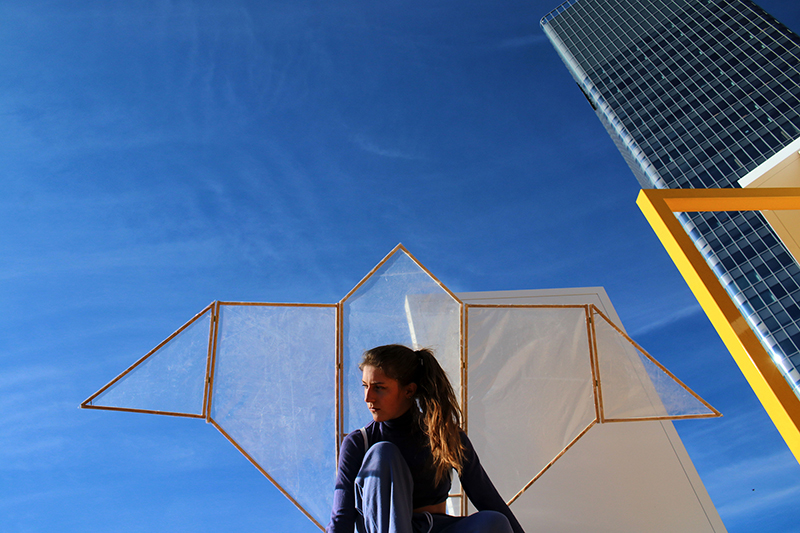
(659, 207)
(694, 200)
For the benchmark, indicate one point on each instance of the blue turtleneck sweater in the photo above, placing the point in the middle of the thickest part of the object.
(413, 445)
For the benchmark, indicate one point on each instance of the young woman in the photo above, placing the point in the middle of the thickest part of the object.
(394, 474)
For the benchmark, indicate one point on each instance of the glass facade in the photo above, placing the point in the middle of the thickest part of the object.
(696, 94)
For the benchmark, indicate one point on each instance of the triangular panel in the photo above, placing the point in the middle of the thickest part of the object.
(274, 398)
(168, 380)
(634, 386)
(530, 388)
(399, 302)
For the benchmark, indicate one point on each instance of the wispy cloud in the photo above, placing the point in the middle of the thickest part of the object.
(23, 377)
(371, 147)
(32, 410)
(526, 40)
(761, 503)
(665, 320)
(736, 486)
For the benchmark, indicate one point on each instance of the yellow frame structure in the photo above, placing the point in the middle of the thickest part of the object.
(659, 207)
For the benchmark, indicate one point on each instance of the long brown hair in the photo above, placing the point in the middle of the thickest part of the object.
(439, 416)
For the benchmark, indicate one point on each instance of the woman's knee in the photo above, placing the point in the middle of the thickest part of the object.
(384, 461)
(480, 522)
(384, 448)
(383, 456)
(494, 522)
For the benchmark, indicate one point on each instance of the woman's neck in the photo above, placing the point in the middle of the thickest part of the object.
(401, 421)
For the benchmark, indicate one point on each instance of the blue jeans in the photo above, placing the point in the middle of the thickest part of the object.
(384, 501)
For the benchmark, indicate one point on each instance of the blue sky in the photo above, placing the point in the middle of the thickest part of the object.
(159, 155)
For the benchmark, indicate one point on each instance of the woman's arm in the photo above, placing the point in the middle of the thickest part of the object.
(343, 513)
(480, 489)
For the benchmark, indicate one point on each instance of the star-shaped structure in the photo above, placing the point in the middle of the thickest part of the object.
(281, 381)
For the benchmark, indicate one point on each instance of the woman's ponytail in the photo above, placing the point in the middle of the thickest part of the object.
(440, 414)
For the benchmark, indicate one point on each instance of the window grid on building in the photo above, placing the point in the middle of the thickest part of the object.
(695, 94)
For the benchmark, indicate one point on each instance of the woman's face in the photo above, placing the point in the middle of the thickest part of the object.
(385, 398)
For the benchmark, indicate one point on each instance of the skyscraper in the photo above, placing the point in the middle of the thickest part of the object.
(696, 94)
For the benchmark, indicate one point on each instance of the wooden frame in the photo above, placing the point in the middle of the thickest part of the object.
(592, 355)
(461, 349)
(714, 413)
(590, 311)
(87, 403)
(659, 207)
(224, 433)
(215, 309)
(598, 392)
(552, 462)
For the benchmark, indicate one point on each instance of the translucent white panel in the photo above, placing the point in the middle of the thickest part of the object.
(433, 320)
(676, 399)
(530, 388)
(274, 395)
(632, 386)
(170, 380)
(454, 502)
(400, 303)
(626, 389)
